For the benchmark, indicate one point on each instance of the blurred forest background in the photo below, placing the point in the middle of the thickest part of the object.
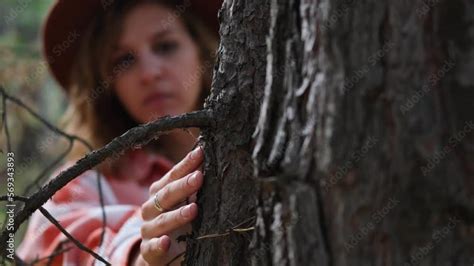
(24, 75)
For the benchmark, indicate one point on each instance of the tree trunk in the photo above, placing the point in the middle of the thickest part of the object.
(229, 194)
(346, 129)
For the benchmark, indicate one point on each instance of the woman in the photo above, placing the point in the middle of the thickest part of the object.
(124, 63)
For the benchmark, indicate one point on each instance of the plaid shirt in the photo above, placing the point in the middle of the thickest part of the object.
(77, 207)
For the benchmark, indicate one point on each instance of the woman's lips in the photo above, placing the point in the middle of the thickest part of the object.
(157, 99)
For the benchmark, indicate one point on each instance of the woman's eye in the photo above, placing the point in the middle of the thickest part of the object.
(165, 47)
(124, 61)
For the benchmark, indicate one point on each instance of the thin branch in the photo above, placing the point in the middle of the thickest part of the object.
(53, 255)
(134, 137)
(37, 181)
(71, 138)
(4, 118)
(102, 205)
(69, 236)
(175, 258)
(237, 230)
(230, 230)
(60, 227)
(18, 261)
(42, 120)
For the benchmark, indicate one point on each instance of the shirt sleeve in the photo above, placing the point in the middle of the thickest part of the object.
(77, 208)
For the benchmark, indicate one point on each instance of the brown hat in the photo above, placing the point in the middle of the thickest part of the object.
(68, 19)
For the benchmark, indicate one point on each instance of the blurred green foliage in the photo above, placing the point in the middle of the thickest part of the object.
(23, 73)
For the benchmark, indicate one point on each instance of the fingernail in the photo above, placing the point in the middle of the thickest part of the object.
(193, 180)
(194, 154)
(186, 212)
(162, 244)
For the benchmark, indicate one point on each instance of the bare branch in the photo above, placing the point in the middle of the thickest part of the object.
(52, 256)
(71, 139)
(69, 236)
(37, 181)
(134, 137)
(61, 228)
(4, 118)
(51, 127)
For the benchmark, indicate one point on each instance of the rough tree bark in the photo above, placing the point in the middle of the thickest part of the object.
(229, 192)
(362, 153)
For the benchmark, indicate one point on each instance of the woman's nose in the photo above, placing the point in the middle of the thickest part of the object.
(151, 69)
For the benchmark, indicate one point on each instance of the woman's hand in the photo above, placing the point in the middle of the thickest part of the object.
(160, 229)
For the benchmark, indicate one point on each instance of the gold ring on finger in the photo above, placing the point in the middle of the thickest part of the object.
(157, 204)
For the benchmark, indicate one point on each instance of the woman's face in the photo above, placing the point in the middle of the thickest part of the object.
(156, 64)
